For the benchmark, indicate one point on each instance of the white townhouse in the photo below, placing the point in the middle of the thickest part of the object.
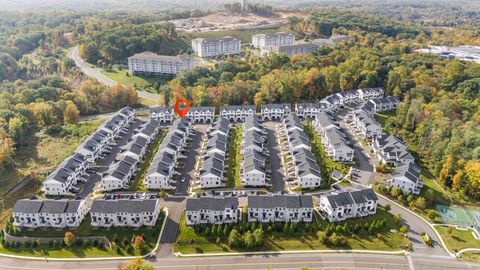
(220, 126)
(209, 47)
(160, 172)
(251, 123)
(277, 39)
(366, 124)
(217, 143)
(136, 149)
(274, 111)
(201, 114)
(307, 171)
(211, 210)
(237, 113)
(212, 174)
(149, 130)
(133, 213)
(348, 204)
(368, 93)
(348, 96)
(383, 104)
(407, 178)
(309, 110)
(149, 63)
(322, 122)
(293, 49)
(120, 174)
(56, 214)
(280, 208)
(68, 173)
(253, 173)
(292, 122)
(297, 139)
(91, 149)
(162, 114)
(390, 149)
(337, 146)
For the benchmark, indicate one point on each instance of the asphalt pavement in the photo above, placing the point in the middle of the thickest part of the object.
(277, 177)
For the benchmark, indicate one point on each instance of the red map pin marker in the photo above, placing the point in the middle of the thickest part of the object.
(182, 111)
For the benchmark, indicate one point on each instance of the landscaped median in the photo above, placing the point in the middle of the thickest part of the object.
(457, 239)
(374, 233)
(234, 158)
(86, 242)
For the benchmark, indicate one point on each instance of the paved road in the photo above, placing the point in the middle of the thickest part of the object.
(95, 73)
(278, 179)
(192, 156)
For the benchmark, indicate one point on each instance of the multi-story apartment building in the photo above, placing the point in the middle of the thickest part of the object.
(133, 213)
(366, 124)
(369, 93)
(52, 214)
(307, 171)
(349, 204)
(275, 111)
(212, 174)
(294, 49)
(309, 110)
(407, 178)
(148, 63)
(210, 47)
(390, 149)
(338, 147)
(277, 39)
(120, 174)
(252, 173)
(381, 104)
(161, 114)
(208, 210)
(237, 113)
(201, 114)
(280, 208)
(159, 175)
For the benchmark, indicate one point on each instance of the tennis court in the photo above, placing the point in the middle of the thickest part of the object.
(455, 215)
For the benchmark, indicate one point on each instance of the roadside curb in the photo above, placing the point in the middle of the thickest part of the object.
(259, 253)
(46, 259)
(444, 246)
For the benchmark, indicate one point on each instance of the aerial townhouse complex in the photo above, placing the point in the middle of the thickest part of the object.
(407, 178)
(162, 114)
(277, 39)
(366, 124)
(210, 47)
(381, 104)
(59, 214)
(237, 113)
(161, 170)
(133, 213)
(337, 146)
(349, 204)
(212, 210)
(280, 208)
(253, 171)
(64, 179)
(271, 112)
(306, 170)
(201, 114)
(148, 63)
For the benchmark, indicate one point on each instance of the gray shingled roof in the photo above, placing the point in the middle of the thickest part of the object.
(123, 205)
(208, 203)
(274, 201)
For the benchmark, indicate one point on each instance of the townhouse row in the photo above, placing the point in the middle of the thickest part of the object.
(306, 170)
(60, 214)
(195, 114)
(212, 173)
(337, 146)
(253, 166)
(161, 170)
(70, 172)
(339, 206)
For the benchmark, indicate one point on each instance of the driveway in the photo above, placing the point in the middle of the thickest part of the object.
(277, 177)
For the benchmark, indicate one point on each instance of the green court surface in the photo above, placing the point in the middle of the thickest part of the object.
(458, 215)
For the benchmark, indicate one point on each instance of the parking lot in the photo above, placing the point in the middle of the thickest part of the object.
(275, 150)
(101, 167)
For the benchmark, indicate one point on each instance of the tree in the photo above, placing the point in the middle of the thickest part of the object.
(137, 264)
(388, 207)
(322, 237)
(432, 214)
(234, 238)
(395, 192)
(258, 236)
(71, 114)
(421, 202)
(138, 243)
(404, 229)
(69, 238)
(396, 218)
(249, 240)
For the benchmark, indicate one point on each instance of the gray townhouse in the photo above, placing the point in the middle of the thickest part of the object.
(280, 208)
(339, 206)
(212, 210)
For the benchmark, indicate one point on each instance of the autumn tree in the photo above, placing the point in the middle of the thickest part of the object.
(69, 238)
(71, 114)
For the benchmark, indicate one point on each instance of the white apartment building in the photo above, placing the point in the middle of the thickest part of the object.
(148, 63)
(120, 174)
(208, 210)
(407, 178)
(307, 171)
(161, 114)
(369, 93)
(280, 208)
(210, 47)
(67, 174)
(275, 111)
(133, 213)
(366, 124)
(382, 104)
(349, 204)
(201, 114)
(160, 172)
(252, 173)
(322, 122)
(212, 174)
(221, 126)
(52, 214)
(237, 113)
(277, 39)
(390, 149)
(293, 49)
(309, 110)
(337, 145)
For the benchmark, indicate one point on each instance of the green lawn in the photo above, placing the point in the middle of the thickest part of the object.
(234, 158)
(123, 247)
(471, 257)
(384, 116)
(458, 239)
(137, 184)
(189, 241)
(324, 162)
(122, 77)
